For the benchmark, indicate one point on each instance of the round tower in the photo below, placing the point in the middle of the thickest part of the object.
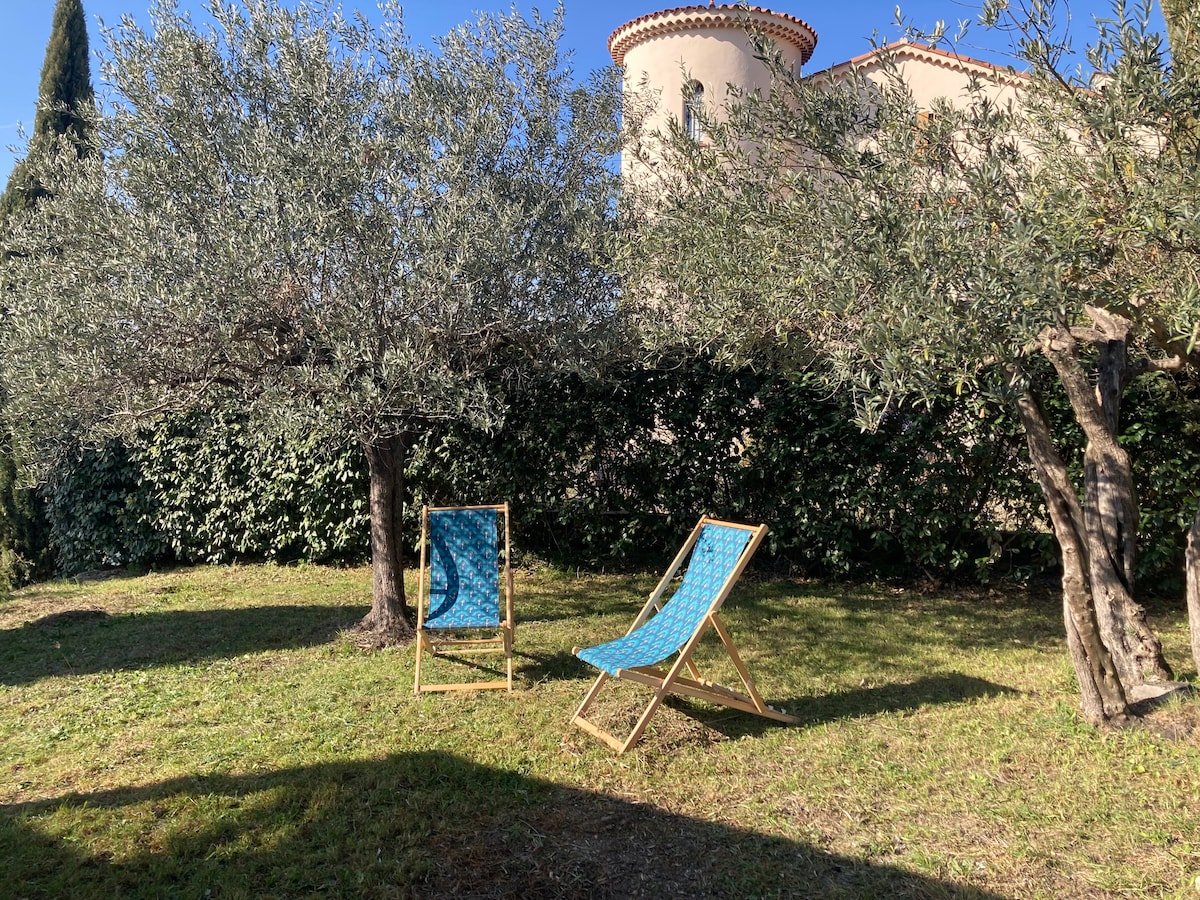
(680, 60)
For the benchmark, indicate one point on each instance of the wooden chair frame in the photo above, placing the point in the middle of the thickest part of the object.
(435, 644)
(672, 680)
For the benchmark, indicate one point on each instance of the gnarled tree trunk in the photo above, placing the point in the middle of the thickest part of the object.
(1103, 695)
(1109, 505)
(389, 621)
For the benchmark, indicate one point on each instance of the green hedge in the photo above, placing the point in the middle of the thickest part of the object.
(25, 551)
(223, 489)
(208, 487)
(609, 473)
(101, 511)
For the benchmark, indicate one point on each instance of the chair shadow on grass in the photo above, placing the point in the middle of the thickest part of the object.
(560, 665)
(426, 824)
(940, 689)
(89, 641)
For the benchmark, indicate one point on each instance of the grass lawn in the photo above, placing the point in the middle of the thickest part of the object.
(211, 733)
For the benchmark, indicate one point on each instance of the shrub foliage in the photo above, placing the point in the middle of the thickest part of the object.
(605, 473)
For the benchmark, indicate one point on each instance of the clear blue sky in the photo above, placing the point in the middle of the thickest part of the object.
(844, 30)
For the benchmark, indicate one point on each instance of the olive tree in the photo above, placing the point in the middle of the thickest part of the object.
(307, 212)
(911, 254)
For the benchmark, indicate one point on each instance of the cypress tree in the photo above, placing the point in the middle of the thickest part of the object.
(65, 90)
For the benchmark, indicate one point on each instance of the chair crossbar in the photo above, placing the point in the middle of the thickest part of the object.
(466, 686)
(438, 641)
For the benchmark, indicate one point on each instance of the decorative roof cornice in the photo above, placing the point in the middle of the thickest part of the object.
(904, 49)
(779, 26)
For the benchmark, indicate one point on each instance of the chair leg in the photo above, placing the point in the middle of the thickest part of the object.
(590, 698)
(595, 730)
(615, 742)
(420, 653)
(640, 727)
(508, 654)
(736, 658)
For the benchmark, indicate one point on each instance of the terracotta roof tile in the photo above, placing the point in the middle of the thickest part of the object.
(905, 48)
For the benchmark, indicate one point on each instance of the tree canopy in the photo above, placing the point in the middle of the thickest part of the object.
(919, 253)
(306, 211)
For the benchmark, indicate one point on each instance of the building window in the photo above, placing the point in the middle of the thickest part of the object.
(693, 109)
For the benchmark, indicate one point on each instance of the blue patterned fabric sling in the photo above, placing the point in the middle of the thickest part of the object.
(713, 558)
(464, 589)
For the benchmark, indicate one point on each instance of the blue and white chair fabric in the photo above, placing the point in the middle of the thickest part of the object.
(716, 553)
(465, 585)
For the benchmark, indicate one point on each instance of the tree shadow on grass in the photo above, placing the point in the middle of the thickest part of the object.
(828, 628)
(413, 825)
(966, 618)
(80, 644)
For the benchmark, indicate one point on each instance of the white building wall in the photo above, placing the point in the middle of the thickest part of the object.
(662, 53)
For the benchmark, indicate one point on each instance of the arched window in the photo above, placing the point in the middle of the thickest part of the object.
(693, 109)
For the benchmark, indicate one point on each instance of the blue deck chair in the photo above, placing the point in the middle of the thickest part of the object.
(719, 552)
(469, 589)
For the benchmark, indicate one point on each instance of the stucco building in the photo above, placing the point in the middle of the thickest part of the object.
(678, 60)
(687, 56)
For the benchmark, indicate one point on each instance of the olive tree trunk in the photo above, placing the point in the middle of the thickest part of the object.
(389, 621)
(1110, 516)
(1103, 695)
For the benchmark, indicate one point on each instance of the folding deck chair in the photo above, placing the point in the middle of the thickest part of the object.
(719, 552)
(467, 569)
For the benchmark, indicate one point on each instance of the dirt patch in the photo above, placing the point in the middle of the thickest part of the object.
(602, 849)
(70, 617)
(1159, 709)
